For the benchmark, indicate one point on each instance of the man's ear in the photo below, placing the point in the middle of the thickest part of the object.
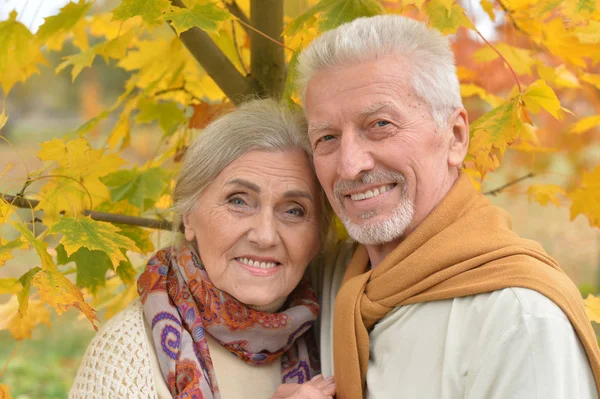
(459, 137)
(188, 231)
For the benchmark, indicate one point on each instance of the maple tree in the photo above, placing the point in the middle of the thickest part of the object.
(190, 60)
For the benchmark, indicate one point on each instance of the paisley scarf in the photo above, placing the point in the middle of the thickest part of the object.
(181, 305)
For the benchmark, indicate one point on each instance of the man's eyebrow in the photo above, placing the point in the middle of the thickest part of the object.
(297, 193)
(245, 183)
(318, 126)
(374, 108)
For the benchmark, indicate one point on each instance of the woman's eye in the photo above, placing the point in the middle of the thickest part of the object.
(327, 137)
(237, 201)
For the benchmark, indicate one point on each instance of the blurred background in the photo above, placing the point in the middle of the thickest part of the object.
(49, 105)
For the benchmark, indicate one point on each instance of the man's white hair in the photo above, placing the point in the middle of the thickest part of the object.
(426, 52)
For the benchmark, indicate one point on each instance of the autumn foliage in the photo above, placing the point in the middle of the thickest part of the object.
(532, 91)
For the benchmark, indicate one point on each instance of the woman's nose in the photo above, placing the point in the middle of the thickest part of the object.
(263, 232)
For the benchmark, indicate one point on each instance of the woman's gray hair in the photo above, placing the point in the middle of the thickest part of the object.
(255, 125)
(426, 52)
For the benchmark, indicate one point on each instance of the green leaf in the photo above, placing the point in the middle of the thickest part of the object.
(65, 20)
(94, 235)
(342, 11)
(78, 61)
(290, 85)
(334, 13)
(168, 114)
(140, 236)
(444, 20)
(23, 295)
(91, 266)
(40, 246)
(203, 16)
(126, 272)
(150, 10)
(137, 186)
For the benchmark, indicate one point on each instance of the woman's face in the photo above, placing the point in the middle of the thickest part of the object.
(257, 225)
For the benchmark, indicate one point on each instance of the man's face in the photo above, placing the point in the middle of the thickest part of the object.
(378, 153)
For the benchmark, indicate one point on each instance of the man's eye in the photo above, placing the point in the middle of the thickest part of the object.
(382, 123)
(295, 212)
(327, 137)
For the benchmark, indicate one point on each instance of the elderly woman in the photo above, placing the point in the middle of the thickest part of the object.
(253, 217)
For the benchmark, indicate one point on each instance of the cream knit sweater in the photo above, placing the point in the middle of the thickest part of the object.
(121, 362)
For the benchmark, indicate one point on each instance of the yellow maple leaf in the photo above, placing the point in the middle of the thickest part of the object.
(545, 194)
(539, 95)
(120, 135)
(75, 182)
(559, 77)
(57, 291)
(20, 55)
(4, 392)
(10, 285)
(493, 133)
(447, 20)
(488, 7)
(7, 247)
(591, 79)
(21, 326)
(40, 246)
(589, 33)
(471, 89)
(585, 124)
(520, 60)
(103, 25)
(564, 43)
(578, 10)
(3, 120)
(592, 308)
(585, 199)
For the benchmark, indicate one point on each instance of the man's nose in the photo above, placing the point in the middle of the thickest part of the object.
(355, 157)
(263, 232)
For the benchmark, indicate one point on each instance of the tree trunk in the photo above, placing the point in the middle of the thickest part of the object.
(267, 57)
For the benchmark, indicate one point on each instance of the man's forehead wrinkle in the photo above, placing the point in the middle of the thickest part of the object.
(374, 108)
(321, 125)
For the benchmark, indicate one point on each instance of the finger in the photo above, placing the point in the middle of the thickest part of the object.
(285, 390)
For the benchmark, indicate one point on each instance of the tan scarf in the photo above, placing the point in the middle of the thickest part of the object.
(464, 247)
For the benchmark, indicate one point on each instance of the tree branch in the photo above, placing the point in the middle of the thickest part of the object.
(237, 12)
(22, 202)
(498, 190)
(268, 62)
(235, 86)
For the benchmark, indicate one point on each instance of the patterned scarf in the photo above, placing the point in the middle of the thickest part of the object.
(182, 305)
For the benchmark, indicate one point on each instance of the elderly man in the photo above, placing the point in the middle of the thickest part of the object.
(441, 299)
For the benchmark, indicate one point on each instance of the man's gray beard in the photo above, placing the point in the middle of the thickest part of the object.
(381, 231)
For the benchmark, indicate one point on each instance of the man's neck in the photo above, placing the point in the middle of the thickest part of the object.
(377, 253)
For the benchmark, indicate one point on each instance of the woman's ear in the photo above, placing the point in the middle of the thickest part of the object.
(459, 139)
(188, 230)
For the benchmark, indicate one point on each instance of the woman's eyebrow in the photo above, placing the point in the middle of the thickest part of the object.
(297, 193)
(245, 183)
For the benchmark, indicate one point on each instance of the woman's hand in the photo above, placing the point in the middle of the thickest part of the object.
(317, 388)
